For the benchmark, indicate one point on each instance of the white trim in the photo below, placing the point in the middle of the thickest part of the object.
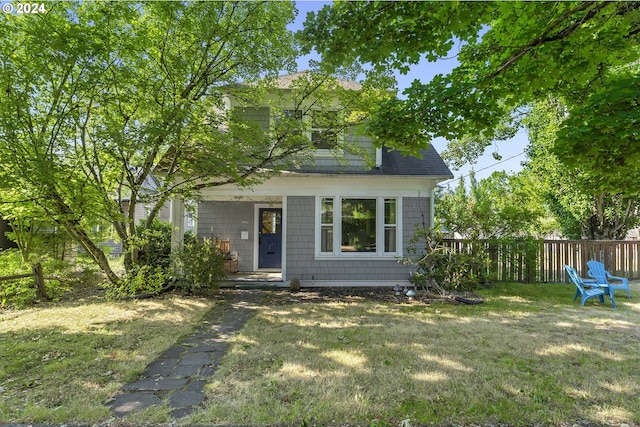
(283, 250)
(177, 228)
(293, 184)
(256, 231)
(432, 208)
(354, 283)
(337, 229)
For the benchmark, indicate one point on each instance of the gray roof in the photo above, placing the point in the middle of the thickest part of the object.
(431, 164)
(285, 82)
(393, 164)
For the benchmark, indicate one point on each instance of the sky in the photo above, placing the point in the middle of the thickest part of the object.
(512, 151)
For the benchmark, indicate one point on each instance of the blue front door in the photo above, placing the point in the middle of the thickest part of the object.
(270, 238)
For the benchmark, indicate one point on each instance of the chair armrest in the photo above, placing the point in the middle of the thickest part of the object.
(624, 280)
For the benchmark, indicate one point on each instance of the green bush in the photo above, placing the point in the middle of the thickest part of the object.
(202, 266)
(17, 293)
(154, 244)
(151, 271)
(441, 270)
(142, 279)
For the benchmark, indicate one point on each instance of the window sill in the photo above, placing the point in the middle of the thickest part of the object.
(358, 256)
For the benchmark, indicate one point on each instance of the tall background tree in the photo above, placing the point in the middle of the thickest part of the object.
(511, 55)
(499, 206)
(573, 194)
(96, 97)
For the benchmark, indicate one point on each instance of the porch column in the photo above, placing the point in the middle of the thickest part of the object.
(177, 227)
(432, 207)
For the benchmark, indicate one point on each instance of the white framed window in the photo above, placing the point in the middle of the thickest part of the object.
(326, 225)
(357, 226)
(322, 136)
(319, 124)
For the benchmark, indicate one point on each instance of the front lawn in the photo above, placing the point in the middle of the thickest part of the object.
(528, 355)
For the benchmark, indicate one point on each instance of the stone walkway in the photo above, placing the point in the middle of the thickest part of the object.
(178, 376)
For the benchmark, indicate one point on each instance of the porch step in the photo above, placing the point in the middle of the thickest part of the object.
(260, 286)
(259, 280)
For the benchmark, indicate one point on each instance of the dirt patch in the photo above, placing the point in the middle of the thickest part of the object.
(280, 296)
(359, 294)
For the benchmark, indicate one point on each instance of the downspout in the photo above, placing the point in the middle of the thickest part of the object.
(378, 157)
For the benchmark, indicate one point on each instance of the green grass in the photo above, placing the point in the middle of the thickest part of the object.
(528, 355)
(60, 363)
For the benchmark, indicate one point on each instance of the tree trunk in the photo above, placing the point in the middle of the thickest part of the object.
(96, 253)
(38, 278)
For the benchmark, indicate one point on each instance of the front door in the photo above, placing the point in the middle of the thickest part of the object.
(270, 238)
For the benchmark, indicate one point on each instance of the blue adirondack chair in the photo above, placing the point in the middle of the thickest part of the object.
(598, 272)
(588, 290)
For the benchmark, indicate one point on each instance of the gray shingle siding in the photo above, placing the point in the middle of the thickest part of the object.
(301, 262)
(225, 221)
(259, 115)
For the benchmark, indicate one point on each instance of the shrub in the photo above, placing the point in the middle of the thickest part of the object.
(441, 270)
(142, 279)
(20, 293)
(152, 270)
(202, 266)
(155, 244)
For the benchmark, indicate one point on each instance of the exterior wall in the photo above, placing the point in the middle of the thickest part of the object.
(324, 160)
(258, 115)
(415, 214)
(300, 257)
(226, 221)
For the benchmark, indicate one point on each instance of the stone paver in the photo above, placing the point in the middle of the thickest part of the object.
(179, 375)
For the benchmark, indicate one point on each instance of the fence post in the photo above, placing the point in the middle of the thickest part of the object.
(38, 278)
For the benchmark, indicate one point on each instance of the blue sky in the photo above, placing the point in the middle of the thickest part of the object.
(511, 150)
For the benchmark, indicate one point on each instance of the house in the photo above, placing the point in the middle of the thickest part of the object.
(142, 211)
(328, 223)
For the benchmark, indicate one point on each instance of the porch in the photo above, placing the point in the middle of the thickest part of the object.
(254, 280)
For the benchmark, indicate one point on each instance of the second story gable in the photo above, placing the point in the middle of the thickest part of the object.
(333, 130)
(329, 125)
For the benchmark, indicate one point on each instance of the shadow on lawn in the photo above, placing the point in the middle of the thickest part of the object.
(61, 363)
(434, 364)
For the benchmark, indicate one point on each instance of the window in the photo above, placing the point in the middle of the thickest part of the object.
(321, 134)
(364, 225)
(390, 225)
(291, 119)
(358, 225)
(326, 225)
(319, 124)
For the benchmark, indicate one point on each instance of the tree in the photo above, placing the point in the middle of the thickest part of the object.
(499, 206)
(511, 54)
(601, 136)
(573, 194)
(98, 96)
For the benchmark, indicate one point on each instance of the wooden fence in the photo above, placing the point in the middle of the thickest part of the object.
(544, 260)
(38, 279)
